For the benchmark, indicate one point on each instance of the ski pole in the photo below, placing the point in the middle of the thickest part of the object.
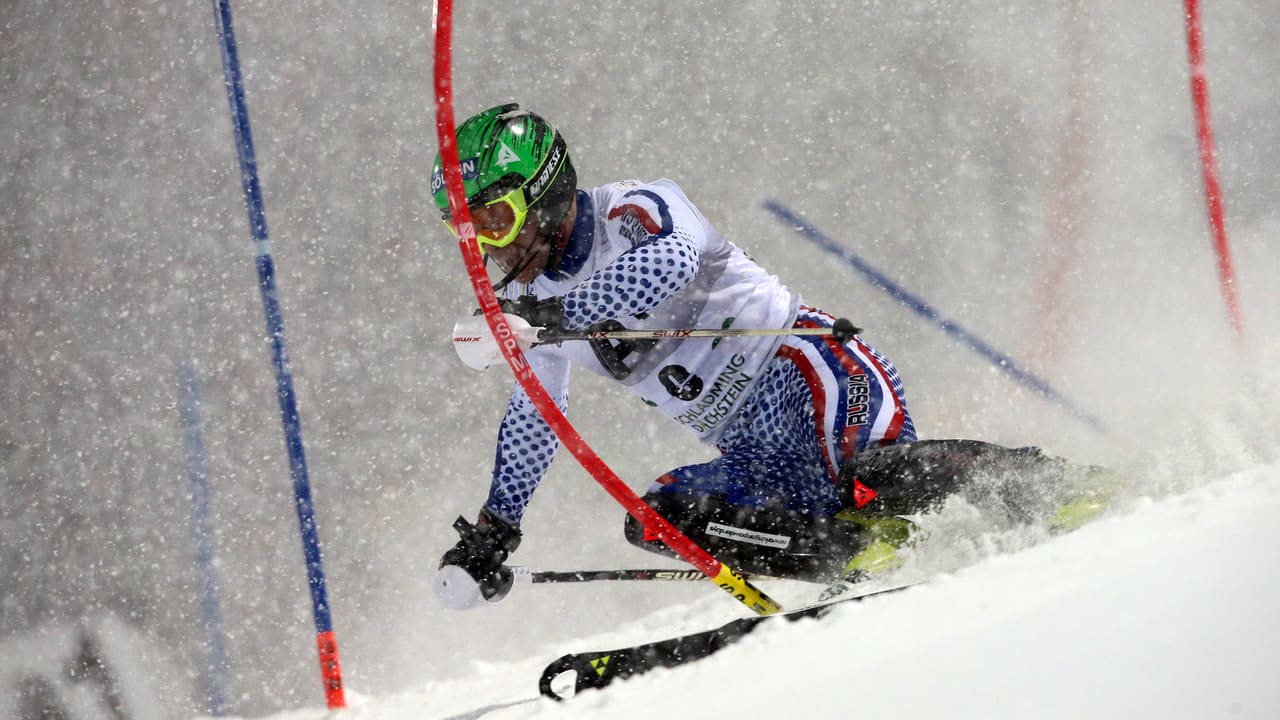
(842, 330)
(538, 577)
(524, 574)
(476, 346)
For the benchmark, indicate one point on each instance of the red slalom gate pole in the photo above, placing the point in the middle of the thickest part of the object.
(1209, 163)
(724, 577)
(1069, 203)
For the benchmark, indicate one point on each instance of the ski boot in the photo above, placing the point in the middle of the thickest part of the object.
(884, 537)
(766, 541)
(1094, 493)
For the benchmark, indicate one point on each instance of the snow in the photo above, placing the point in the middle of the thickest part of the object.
(1028, 168)
(1165, 609)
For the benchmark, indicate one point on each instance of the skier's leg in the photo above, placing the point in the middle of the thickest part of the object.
(916, 477)
(909, 478)
(756, 540)
(736, 508)
(768, 504)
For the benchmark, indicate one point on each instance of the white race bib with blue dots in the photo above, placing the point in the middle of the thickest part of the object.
(643, 257)
(655, 262)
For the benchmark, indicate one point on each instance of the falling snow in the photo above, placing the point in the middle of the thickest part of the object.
(1031, 171)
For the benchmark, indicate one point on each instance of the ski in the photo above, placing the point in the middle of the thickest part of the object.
(598, 669)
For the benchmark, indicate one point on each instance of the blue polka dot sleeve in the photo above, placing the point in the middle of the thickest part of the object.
(639, 280)
(526, 443)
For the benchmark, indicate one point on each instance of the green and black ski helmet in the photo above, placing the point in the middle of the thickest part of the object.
(513, 156)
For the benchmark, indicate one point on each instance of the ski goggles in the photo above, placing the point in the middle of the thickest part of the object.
(497, 222)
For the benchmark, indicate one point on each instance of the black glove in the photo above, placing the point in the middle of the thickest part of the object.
(546, 313)
(482, 550)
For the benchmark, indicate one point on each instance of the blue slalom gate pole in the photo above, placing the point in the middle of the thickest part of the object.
(202, 531)
(1002, 361)
(325, 640)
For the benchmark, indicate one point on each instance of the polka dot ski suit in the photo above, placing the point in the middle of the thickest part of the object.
(784, 411)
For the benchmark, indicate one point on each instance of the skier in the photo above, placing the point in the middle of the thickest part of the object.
(818, 452)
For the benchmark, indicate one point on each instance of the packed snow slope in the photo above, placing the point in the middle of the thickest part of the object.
(1163, 609)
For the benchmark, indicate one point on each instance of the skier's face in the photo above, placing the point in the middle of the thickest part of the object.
(533, 250)
(527, 249)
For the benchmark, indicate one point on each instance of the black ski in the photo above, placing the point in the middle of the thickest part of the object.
(599, 669)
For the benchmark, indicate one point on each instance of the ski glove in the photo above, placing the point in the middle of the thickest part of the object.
(546, 313)
(472, 571)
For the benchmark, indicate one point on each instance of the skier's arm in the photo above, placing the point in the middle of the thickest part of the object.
(526, 443)
(641, 278)
(473, 572)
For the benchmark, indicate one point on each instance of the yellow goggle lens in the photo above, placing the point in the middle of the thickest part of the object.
(497, 222)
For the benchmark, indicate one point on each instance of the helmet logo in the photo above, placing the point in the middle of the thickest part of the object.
(506, 155)
(549, 170)
(470, 169)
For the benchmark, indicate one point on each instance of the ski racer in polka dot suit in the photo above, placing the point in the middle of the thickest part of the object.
(787, 412)
(753, 397)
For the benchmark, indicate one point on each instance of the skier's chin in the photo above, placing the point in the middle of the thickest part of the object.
(537, 261)
(532, 272)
